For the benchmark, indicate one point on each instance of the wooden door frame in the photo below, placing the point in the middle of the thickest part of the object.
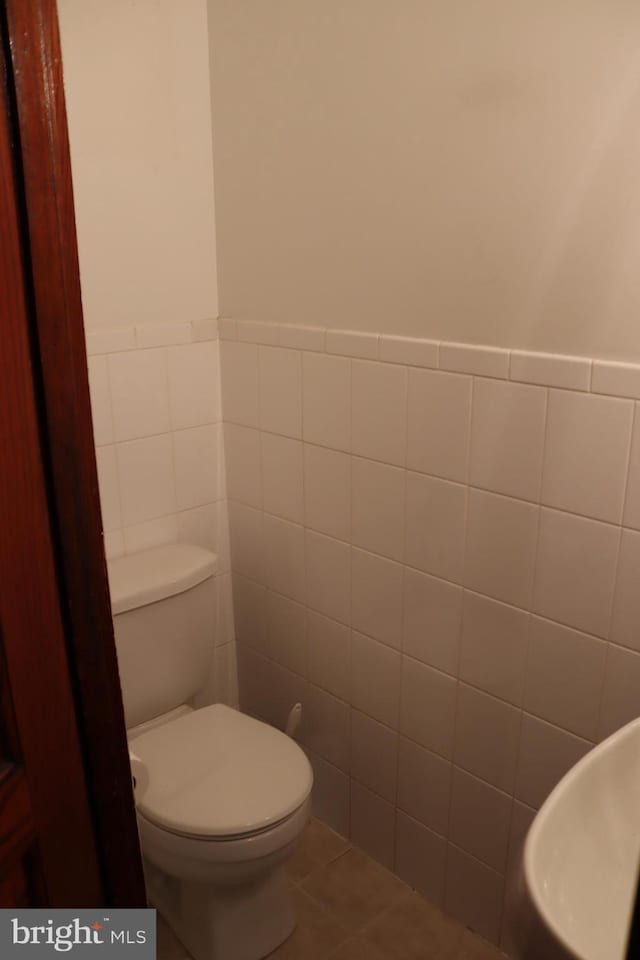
(60, 366)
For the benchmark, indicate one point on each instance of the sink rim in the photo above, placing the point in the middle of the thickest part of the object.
(533, 884)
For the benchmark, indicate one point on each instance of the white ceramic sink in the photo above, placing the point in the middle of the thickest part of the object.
(582, 854)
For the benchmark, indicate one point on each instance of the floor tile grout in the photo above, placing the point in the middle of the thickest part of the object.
(345, 925)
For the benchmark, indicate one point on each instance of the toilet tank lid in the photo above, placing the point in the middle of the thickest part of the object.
(141, 578)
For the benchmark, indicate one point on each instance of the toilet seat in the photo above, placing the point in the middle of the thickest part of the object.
(219, 774)
(197, 858)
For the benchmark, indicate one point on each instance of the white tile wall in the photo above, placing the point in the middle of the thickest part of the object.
(458, 532)
(432, 613)
(424, 786)
(507, 438)
(377, 507)
(427, 706)
(379, 411)
(438, 418)
(420, 857)
(155, 397)
(376, 597)
(139, 393)
(586, 454)
(436, 518)
(280, 390)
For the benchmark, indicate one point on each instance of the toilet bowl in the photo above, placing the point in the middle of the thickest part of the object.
(222, 799)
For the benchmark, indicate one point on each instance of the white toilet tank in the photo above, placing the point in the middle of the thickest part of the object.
(164, 614)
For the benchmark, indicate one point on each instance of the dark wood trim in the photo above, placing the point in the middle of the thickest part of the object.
(16, 817)
(45, 733)
(59, 347)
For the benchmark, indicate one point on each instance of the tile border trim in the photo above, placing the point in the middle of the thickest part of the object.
(583, 374)
(144, 336)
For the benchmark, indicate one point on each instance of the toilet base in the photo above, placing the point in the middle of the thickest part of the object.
(243, 921)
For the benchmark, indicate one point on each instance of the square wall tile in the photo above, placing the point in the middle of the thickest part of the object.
(420, 858)
(432, 615)
(501, 547)
(474, 894)
(427, 706)
(146, 475)
(374, 755)
(327, 401)
(100, 400)
(284, 557)
(328, 576)
(546, 754)
(253, 681)
(377, 511)
(331, 801)
(436, 520)
(239, 377)
(151, 533)
(247, 540)
(329, 654)
(375, 679)
(493, 647)
(511, 933)
(507, 438)
(576, 569)
(424, 786)
(327, 491)
(376, 597)
(194, 384)
(249, 606)
(325, 726)
(197, 465)
(139, 393)
(586, 455)
(225, 627)
(565, 671)
(625, 627)
(109, 487)
(521, 819)
(281, 391)
(282, 477)
(225, 675)
(632, 501)
(285, 630)
(207, 526)
(487, 732)
(480, 817)
(379, 411)
(621, 695)
(242, 463)
(439, 413)
(284, 689)
(373, 823)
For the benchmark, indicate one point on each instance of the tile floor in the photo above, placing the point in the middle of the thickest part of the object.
(351, 908)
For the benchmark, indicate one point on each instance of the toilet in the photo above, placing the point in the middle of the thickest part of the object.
(221, 799)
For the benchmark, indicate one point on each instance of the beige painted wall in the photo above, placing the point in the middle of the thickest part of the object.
(137, 89)
(454, 168)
